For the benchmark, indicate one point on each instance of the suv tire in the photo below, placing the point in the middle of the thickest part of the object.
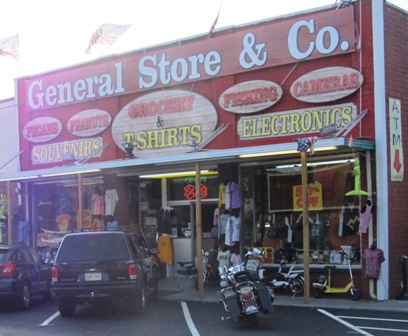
(49, 295)
(23, 302)
(66, 307)
(138, 301)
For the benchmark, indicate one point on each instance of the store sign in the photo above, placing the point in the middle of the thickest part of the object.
(326, 84)
(89, 122)
(250, 97)
(57, 152)
(301, 38)
(314, 193)
(396, 141)
(295, 122)
(42, 129)
(165, 122)
(190, 191)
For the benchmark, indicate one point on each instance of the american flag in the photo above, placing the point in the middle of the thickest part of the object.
(306, 143)
(9, 46)
(214, 23)
(106, 34)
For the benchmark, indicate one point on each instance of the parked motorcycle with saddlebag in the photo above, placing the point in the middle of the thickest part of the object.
(244, 290)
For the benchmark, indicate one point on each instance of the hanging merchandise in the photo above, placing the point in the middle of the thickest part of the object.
(97, 202)
(233, 196)
(357, 181)
(365, 217)
(222, 193)
(222, 225)
(228, 233)
(373, 257)
(236, 228)
(165, 251)
(111, 199)
(23, 231)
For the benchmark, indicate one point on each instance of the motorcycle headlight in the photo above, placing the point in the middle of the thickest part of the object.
(223, 283)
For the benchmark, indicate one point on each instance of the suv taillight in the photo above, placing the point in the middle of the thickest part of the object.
(132, 271)
(54, 274)
(7, 269)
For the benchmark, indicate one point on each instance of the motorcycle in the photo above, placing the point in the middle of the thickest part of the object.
(292, 279)
(244, 291)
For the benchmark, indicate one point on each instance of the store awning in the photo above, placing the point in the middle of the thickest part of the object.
(232, 154)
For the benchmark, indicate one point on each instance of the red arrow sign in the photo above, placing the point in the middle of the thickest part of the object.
(397, 163)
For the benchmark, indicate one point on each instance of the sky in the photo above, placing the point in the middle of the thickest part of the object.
(54, 34)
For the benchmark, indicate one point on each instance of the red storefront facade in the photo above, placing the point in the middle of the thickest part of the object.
(248, 90)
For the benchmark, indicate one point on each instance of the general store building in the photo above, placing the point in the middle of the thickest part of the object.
(234, 108)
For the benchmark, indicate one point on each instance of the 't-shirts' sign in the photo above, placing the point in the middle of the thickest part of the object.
(165, 122)
(304, 37)
(249, 97)
(326, 84)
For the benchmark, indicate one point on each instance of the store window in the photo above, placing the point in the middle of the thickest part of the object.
(334, 218)
(56, 207)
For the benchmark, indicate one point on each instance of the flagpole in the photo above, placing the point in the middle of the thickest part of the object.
(305, 206)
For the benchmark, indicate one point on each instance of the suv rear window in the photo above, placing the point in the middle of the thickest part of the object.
(93, 246)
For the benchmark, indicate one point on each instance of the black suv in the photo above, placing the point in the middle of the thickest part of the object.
(104, 265)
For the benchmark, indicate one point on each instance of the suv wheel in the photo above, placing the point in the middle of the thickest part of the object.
(49, 294)
(66, 307)
(24, 298)
(138, 301)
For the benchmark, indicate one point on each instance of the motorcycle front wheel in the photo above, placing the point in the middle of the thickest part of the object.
(318, 293)
(297, 286)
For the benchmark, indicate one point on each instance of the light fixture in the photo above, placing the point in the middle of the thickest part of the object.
(192, 142)
(71, 173)
(129, 150)
(330, 129)
(180, 174)
(316, 163)
(3, 179)
(289, 151)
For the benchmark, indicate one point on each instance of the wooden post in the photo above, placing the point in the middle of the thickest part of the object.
(199, 231)
(80, 202)
(305, 205)
(9, 217)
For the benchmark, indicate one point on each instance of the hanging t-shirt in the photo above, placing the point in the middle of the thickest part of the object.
(222, 224)
(223, 258)
(23, 231)
(365, 218)
(236, 228)
(98, 205)
(221, 194)
(111, 198)
(228, 233)
(373, 259)
(233, 196)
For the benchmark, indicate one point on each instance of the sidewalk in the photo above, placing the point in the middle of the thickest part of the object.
(169, 290)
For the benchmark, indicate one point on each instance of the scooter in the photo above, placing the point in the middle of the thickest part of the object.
(324, 284)
(292, 279)
(243, 293)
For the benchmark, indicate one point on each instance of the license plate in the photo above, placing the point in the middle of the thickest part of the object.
(96, 276)
(252, 265)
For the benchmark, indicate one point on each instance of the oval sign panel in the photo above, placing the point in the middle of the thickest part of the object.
(165, 122)
(327, 84)
(250, 97)
(89, 122)
(42, 129)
